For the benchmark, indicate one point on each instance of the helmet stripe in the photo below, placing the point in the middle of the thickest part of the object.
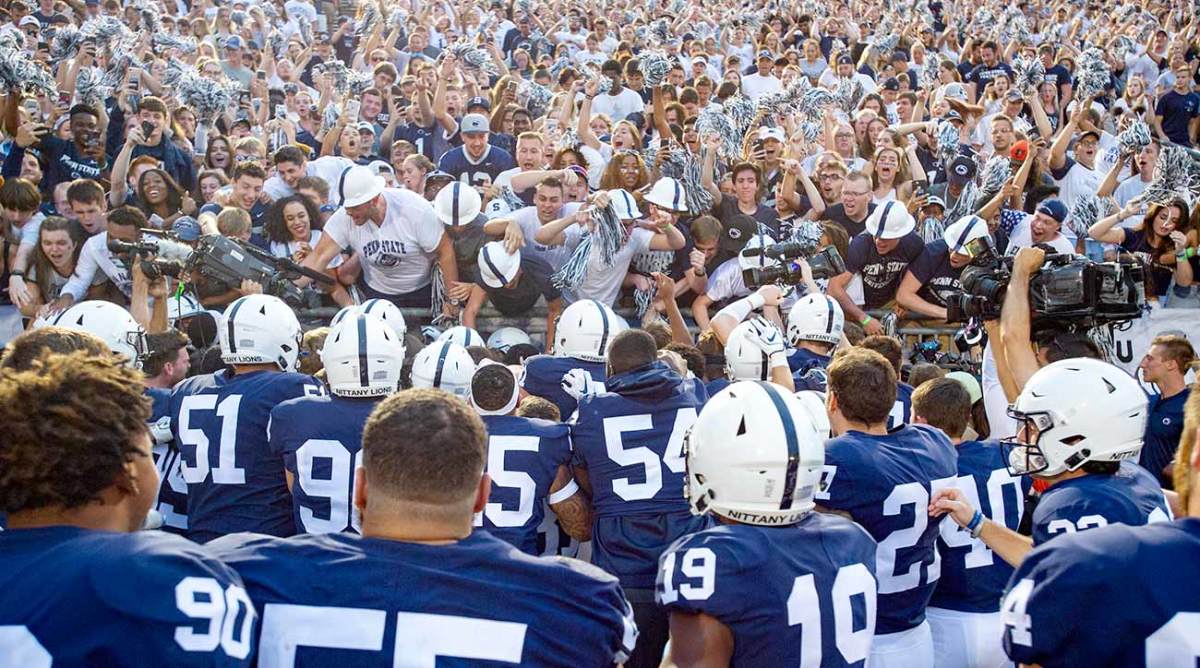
(487, 259)
(765, 369)
(229, 324)
(604, 321)
(958, 243)
(677, 199)
(364, 375)
(441, 363)
(829, 316)
(342, 184)
(793, 445)
(454, 203)
(887, 208)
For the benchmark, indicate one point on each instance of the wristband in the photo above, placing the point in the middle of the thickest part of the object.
(756, 301)
(975, 526)
(17, 272)
(777, 359)
(865, 321)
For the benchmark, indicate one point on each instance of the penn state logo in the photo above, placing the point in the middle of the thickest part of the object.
(735, 233)
(387, 260)
(1166, 421)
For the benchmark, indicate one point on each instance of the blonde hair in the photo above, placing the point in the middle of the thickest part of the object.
(233, 222)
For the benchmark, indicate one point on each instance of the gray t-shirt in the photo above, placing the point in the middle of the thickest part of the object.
(555, 256)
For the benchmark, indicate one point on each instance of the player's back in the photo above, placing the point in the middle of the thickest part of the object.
(235, 483)
(973, 577)
(1117, 596)
(630, 440)
(172, 488)
(1130, 496)
(77, 597)
(804, 591)
(521, 451)
(342, 601)
(885, 483)
(544, 374)
(319, 442)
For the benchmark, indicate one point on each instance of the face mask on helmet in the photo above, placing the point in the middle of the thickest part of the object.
(1023, 453)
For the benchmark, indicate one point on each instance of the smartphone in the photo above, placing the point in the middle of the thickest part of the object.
(135, 79)
(352, 109)
(261, 75)
(64, 98)
(281, 111)
(33, 108)
(147, 129)
(921, 188)
(322, 23)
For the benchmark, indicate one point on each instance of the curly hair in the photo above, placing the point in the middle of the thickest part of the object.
(27, 348)
(73, 423)
(276, 229)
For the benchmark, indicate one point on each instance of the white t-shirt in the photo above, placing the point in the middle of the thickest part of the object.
(603, 283)
(1022, 237)
(1130, 188)
(289, 248)
(726, 282)
(95, 257)
(756, 85)
(328, 168)
(555, 256)
(1077, 181)
(398, 254)
(618, 106)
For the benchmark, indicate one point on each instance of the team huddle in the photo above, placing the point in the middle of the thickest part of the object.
(342, 521)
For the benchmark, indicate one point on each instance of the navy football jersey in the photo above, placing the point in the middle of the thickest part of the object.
(319, 441)
(902, 409)
(973, 577)
(524, 456)
(808, 369)
(544, 374)
(1120, 596)
(885, 483)
(482, 172)
(172, 488)
(234, 481)
(77, 597)
(805, 591)
(343, 601)
(630, 440)
(1130, 496)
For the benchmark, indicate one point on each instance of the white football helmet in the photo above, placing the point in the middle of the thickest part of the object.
(497, 267)
(816, 318)
(444, 365)
(963, 231)
(760, 261)
(890, 221)
(362, 357)
(754, 456)
(458, 204)
(815, 403)
(1076, 411)
(183, 306)
(463, 336)
(506, 337)
(745, 360)
(111, 323)
(388, 312)
(260, 329)
(584, 331)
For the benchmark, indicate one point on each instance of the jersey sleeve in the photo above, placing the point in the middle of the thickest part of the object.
(692, 572)
(607, 601)
(1050, 600)
(183, 602)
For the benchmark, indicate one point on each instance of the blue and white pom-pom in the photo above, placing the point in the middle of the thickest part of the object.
(648, 263)
(472, 57)
(741, 110)
(104, 30)
(1134, 138)
(947, 142)
(89, 87)
(534, 97)
(699, 200)
(995, 172)
(20, 73)
(1084, 214)
(847, 92)
(166, 42)
(654, 67)
(207, 97)
(1028, 74)
(65, 44)
(1175, 175)
(1092, 75)
(607, 234)
(660, 31)
(715, 122)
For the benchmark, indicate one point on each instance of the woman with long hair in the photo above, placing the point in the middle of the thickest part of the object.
(888, 173)
(627, 170)
(208, 182)
(292, 229)
(52, 264)
(158, 194)
(219, 155)
(413, 172)
(1158, 240)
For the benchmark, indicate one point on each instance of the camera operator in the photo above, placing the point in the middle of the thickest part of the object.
(881, 257)
(124, 223)
(932, 279)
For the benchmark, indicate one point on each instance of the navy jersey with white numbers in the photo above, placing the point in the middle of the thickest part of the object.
(885, 483)
(973, 577)
(344, 601)
(902, 409)
(808, 369)
(630, 440)
(77, 597)
(795, 595)
(235, 483)
(482, 172)
(544, 374)
(1116, 597)
(1130, 496)
(524, 456)
(172, 489)
(319, 441)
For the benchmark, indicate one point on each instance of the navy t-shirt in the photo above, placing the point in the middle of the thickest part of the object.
(938, 279)
(881, 274)
(1164, 427)
(1177, 112)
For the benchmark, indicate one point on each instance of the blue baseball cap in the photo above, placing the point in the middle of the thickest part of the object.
(186, 228)
(1053, 208)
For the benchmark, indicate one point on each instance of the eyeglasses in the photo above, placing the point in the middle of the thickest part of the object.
(855, 194)
(832, 177)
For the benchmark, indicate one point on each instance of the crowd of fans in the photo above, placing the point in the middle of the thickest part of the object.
(631, 171)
